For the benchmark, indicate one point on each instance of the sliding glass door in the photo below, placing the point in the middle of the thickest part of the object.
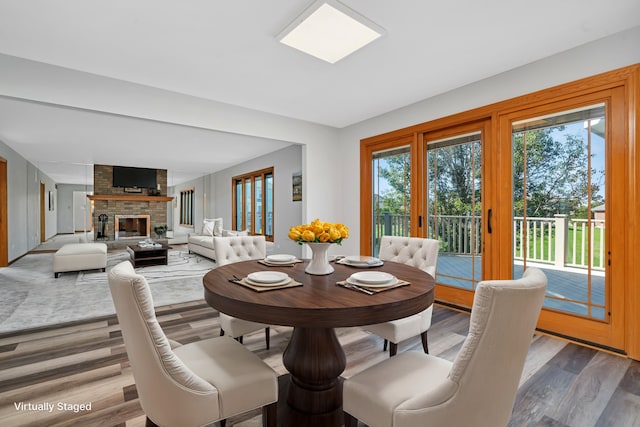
(546, 180)
(563, 215)
(454, 215)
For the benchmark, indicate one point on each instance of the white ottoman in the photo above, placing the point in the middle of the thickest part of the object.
(80, 256)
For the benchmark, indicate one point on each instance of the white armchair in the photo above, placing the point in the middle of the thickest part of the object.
(235, 249)
(478, 389)
(420, 253)
(193, 384)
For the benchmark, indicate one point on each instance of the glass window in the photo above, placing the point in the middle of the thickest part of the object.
(186, 207)
(454, 186)
(559, 203)
(253, 202)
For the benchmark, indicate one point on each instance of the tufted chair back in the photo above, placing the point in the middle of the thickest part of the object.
(420, 253)
(239, 248)
(155, 366)
(184, 385)
(235, 249)
(478, 388)
(415, 251)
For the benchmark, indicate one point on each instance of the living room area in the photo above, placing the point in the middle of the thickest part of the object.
(105, 204)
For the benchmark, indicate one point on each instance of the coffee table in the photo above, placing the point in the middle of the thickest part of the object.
(145, 256)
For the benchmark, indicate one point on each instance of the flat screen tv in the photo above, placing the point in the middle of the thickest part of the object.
(134, 177)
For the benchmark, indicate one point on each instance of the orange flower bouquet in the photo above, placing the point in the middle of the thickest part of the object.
(319, 232)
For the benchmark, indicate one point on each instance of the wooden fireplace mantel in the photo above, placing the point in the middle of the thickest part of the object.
(130, 197)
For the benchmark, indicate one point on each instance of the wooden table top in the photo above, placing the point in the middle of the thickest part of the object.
(319, 302)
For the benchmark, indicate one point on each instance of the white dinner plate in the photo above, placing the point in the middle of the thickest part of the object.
(358, 259)
(280, 258)
(267, 277)
(372, 277)
(391, 282)
(269, 285)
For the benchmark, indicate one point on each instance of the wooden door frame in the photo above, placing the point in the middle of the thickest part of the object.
(43, 227)
(610, 332)
(4, 237)
(490, 251)
(367, 149)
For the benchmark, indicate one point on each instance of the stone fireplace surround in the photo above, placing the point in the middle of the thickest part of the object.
(113, 201)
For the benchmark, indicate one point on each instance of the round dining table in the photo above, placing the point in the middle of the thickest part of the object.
(314, 357)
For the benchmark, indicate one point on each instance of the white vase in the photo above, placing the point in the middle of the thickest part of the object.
(319, 264)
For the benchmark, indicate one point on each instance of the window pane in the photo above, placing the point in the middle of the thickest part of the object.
(391, 194)
(247, 204)
(269, 204)
(559, 206)
(238, 218)
(186, 207)
(253, 202)
(258, 205)
(453, 185)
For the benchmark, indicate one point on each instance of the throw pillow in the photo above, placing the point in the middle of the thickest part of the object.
(212, 227)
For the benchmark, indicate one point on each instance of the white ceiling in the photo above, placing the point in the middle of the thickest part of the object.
(227, 52)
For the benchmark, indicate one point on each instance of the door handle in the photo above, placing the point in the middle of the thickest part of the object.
(489, 214)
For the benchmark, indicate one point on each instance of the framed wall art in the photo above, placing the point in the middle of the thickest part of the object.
(296, 190)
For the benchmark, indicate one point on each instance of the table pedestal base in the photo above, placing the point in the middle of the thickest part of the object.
(315, 360)
(288, 417)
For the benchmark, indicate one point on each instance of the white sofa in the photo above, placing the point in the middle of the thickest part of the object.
(202, 243)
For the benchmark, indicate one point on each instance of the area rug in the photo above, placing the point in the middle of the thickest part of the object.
(31, 297)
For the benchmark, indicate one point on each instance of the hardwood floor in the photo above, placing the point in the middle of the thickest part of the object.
(563, 384)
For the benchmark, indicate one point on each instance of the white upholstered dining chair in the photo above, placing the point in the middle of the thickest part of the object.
(235, 249)
(194, 384)
(420, 253)
(478, 389)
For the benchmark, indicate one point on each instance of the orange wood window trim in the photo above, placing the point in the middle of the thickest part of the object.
(251, 176)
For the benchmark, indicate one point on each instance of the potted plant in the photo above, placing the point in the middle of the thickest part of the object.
(160, 230)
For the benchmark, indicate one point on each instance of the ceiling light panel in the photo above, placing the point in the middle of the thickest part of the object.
(330, 31)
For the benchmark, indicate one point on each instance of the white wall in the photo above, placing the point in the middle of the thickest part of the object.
(607, 54)
(81, 211)
(213, 196)
(23, 212)
(65, 205)
(287, 212)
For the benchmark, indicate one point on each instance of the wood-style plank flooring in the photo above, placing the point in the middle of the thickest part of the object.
(563, 384)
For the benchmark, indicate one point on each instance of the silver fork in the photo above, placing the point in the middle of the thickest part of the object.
(359, 288)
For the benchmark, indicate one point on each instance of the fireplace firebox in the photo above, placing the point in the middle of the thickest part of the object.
(132, 227)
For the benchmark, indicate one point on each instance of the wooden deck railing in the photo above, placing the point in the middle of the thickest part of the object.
(539, 239)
